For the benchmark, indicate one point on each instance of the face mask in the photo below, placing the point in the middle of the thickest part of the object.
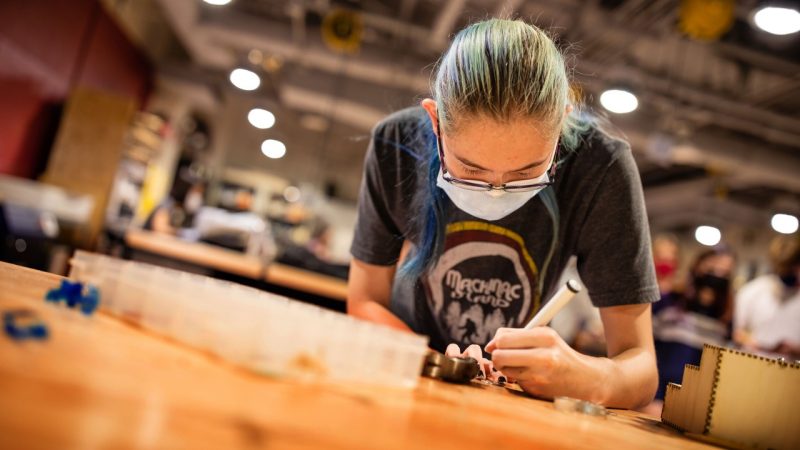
(789, 280)
(664, 269)
(487, 205)
(718, 284)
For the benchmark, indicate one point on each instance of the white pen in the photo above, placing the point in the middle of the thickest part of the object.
(552, 307)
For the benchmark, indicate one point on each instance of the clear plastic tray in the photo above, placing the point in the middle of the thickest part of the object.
(265, 332)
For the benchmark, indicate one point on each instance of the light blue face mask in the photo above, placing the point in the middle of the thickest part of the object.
(489, 205)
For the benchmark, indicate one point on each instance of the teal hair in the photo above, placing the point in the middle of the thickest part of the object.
(505, 70)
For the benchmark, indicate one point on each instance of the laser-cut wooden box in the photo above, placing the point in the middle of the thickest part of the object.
(738, 398)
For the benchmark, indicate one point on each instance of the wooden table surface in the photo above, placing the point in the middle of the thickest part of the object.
(237, 263)
(98, 382)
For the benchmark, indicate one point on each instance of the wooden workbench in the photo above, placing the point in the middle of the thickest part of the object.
(100, 383)
(237, 263)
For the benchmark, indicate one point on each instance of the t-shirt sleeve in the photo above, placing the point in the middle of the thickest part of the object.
(613, 250)
(378, 237)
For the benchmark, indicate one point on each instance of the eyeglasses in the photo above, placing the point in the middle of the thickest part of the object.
(512, 186)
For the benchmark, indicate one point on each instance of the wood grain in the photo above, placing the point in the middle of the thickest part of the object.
(100, 383)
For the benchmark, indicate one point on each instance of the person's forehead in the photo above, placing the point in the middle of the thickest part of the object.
(517, 140)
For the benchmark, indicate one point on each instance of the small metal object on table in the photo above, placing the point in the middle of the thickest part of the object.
(452, 369)
(568, 404)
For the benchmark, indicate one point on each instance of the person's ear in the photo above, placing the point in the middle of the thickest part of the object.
(568, 110)
(430, 107)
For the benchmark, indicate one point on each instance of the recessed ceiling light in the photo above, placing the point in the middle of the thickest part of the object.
(273, 149)
(778, 21)
(261, 118)
(784, 223)
(708, 236)
(217, 2)
(619, 101)
(244, 79)
(291, 194)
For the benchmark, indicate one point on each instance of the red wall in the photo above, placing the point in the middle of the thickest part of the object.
(47, 48)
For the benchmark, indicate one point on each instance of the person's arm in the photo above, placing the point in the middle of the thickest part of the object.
(632, 378)
(369, 290)
(544, 365)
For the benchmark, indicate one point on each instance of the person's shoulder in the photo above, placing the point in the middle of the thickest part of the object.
(598, 148)
(403, 134)
(602, 142)
(759, 285)
(411, 118)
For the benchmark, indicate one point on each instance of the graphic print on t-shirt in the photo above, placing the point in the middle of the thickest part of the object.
(485, 279)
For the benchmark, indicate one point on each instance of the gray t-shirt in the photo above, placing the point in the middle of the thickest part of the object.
(487, 275)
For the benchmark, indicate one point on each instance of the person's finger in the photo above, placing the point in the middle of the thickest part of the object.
(452, 351)
(521, 338)
(474, 351)
(486, 366)
(511, 374)
(491, 371)
(523, 363)
(498, 333)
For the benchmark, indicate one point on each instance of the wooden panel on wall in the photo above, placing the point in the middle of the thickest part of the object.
(88, 149)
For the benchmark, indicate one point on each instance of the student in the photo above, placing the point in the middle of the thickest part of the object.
(477, 200)
(767, 310)
(178, 210)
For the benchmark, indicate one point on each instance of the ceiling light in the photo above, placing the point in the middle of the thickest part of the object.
(784, 223)
(619, 101)
(261, 118)
(244, 79)
(291, 194)
(708, 236)
(273, 149)
(217, 2)
(776, 20)
(255, 56)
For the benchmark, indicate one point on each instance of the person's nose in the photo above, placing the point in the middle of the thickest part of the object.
(497, 179)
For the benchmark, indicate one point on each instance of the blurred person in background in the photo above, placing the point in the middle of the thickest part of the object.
(177, 211)
(767, 309)
(685, 322)
(666, 254)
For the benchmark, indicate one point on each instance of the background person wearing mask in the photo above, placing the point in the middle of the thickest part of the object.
(477, 200)
(666, 254)
(767, 309)
(701, 315)
(178, 210)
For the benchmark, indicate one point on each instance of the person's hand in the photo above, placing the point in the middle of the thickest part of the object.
(474, 351)
(787, 349)
(542, 363)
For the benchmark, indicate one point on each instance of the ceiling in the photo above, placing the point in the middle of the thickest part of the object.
(718, 122)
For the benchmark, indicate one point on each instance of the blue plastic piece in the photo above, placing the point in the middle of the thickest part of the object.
(21, 324)
(53, 295)
(72, 294)
(90, 301)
